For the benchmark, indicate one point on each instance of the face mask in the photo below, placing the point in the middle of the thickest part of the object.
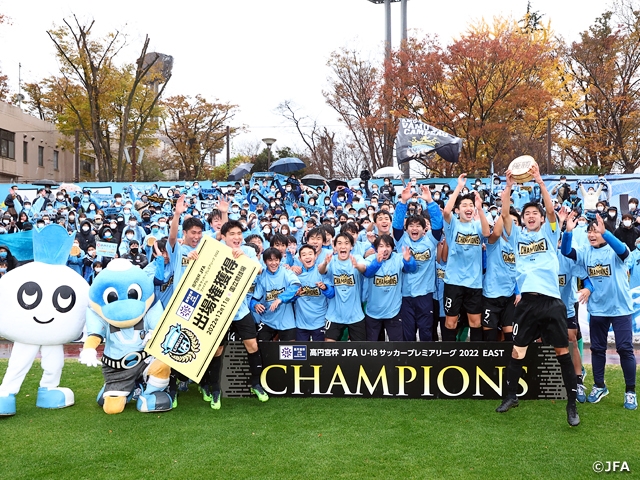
(494, 213)
(235, 209)
(298, 224)
(329, 215)
(274, 224)
(47, 221)
(284, 221)
(98, 269)
(327, 202)
(40, 225)
(91, 253)
(86, 197)
(612, 214)
(626, 223)
(288, 189)
(273, 189)
(6, 222)
(632, 206)
(107, 235)
(114, 225)
(445, 189)
(134, 250)
(60, 198)
(3, 270)
(127, 212)
(465, 191)
(85, 228)
(485, 209)
(129, 237)
(573, 197)
(162, 224)
(600, 208)
(582, 223)
(72, 218)
(436, 197)
(386, 183)
(3, 255)
(266, 230)
(132, 224)
(27, 207)
(374, 204)
(154, 230)
(92, 207)
(341, 199)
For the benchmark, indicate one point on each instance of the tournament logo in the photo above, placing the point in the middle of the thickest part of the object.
(293, 352)
(562, 280)
(599, 270)
(344, 279)
(472, 239)
(273, 294)
(308, 291)
(421, 256)
(185, 261)
(188, 304)
(509, 257)
(180, 344)
(525, 249)
(386, 280)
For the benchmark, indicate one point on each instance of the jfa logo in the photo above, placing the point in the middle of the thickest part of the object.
(188, 304)
(286, 352)
(299, 352)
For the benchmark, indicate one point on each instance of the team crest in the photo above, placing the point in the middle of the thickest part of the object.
(180, 344)
(533, 247)
(599, 270)
(386, 280)
(422, 256)
(472, 239)
(344, 279)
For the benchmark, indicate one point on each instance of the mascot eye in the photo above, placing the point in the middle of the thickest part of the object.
(29, 295)
(134, 292)
(64, 298)
(110, 295)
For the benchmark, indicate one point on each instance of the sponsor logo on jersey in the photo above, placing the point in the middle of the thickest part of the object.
(508, 257)
(180, 344)
(562, 280)
(273, 294)
(440, 273)
(422, 256)
(385, 280)
(344, 279)
(185, 261)
(599, 270)
(533, 247)
(472, 239)
(308, 291)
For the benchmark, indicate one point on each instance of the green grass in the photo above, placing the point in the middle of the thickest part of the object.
(312, 437)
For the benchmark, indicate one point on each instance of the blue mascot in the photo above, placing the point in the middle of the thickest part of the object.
(42, 307)
(121, 313)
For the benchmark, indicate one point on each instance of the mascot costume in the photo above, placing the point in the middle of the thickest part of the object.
(120, 313)
(43, 306)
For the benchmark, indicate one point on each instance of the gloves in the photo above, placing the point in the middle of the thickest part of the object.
(89, 357)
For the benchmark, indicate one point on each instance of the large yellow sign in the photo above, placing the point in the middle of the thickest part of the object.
(202, 308)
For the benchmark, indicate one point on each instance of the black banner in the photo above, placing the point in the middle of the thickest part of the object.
(416, 140)
(405, 370)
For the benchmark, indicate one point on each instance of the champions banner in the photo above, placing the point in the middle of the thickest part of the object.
(416, 140)
(202, 307)
(425, 370)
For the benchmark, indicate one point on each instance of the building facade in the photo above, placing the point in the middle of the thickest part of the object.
(32, 149)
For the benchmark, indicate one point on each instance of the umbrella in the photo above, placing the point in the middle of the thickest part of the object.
(286, 165)
(239, 172)
(389, 172)
(46, 183)
(70, 187)
(333, 184)
(313, 179)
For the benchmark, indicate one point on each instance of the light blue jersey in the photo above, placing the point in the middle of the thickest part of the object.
(346, 306)
(243, 311)
(441, 269)
(269, 286)
(500, 274)
(464, 264)
(384, 293)
(569, 272)
(633, 264)
(311, 303)
(178, 259)
(536, 260)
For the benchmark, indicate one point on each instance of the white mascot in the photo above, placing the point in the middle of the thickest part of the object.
(43, 306)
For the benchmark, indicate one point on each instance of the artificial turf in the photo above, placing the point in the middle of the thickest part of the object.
(312, 438)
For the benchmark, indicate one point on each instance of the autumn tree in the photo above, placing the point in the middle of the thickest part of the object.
(110, 105)
(4, 79)
(196, 129)
(602, 131)
(355, 92)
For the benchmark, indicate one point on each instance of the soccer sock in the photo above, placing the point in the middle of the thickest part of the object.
(580, 379)
(581, 347)
(475, 334)
(490, 335)
(568, 376)
(508, 336)
(215, 371)
(514, 370)
(630, 388)
(255, 366)
(449, 334)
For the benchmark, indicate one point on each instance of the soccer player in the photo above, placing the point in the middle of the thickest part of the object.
(463, 277)
(243, 326)
(609, 305)
(418, 287)
(384, 295)
(345, 308)
(311, 298)
(275, 289)
(540, 312)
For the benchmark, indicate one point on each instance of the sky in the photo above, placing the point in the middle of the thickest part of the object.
(258, 53)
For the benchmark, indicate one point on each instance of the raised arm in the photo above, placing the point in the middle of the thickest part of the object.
(181, 207)
(506, 203)
(546, 197)
(462, 181)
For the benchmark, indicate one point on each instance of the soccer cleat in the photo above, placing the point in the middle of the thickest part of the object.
(584, 373)
(572, 415)
(54, 397)
(580, 395)
(215, 400)
(630, 401)
(183, 386)
(154, 402)
(596, 394)
(174, 403)
(259, 392)
(507, 404)
(205, 390)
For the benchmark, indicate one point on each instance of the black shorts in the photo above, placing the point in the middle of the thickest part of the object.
(243, 329)
(572, 323)
(267, 334)
(498, 312)
(540, 316)
(357, 331)
(457, 296)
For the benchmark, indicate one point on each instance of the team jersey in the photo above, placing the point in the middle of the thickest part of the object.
(633, 264)
(243, 311)
(441, 268)
(609, 275)
(500, 275)
(536, 259)
(119, 342)
(311, 303)
(346, 305)
(384, 294)
(178, 259)
(269, 286)
(464, 264)
(568, 273)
